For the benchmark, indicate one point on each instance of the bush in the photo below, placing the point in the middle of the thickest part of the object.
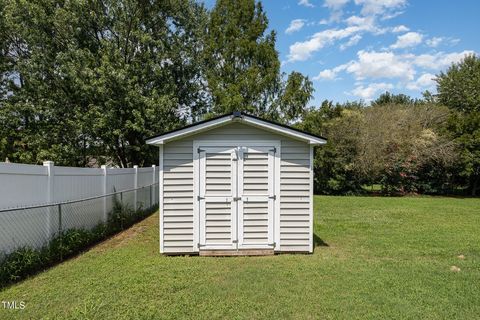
(27, 261)
(70, 242)
(21, 263)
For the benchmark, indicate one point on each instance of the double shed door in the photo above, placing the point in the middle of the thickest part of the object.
(236, 197)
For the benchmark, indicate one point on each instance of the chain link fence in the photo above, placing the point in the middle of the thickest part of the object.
(35, 226)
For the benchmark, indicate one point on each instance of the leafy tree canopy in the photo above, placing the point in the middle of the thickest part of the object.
(459, 89)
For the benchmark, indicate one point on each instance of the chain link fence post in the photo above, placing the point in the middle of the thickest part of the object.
(60, 229)
(151, 204)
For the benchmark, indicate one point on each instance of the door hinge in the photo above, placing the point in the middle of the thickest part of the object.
(200, 150)
(274, 197)
(274, 150)
(200, 198)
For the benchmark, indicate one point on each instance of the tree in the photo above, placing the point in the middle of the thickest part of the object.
(89, 80)
(459, 89)
(400, 146)
(242, 68)
(334, 162)
(390, 98)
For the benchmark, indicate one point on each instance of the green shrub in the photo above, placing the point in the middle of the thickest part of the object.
(26, 261)
(69, 242)
(21, 263)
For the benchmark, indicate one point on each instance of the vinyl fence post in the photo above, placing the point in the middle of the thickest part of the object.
(104, 190)
(135, 186)
(50, 196)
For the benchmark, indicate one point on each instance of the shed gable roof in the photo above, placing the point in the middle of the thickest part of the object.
(241, 117)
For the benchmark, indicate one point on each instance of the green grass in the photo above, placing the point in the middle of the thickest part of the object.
(382, 258)
(372, 187)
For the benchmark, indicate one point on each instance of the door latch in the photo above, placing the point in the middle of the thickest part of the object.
(237, 198)
(200, 198)
(274, 197)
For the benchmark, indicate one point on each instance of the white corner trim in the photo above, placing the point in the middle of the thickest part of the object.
(311, 201)
(160, 198)
(276, 205)
(196, 192)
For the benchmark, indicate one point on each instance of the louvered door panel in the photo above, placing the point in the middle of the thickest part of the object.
(217, 189)
(256, 190)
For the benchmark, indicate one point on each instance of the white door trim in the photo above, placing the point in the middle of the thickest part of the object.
(236, 143)
(217, 196)
(262, 198)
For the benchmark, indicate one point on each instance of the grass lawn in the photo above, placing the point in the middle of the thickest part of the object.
(376, 258)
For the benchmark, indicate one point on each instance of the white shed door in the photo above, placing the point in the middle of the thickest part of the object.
(256, 197)
(236, 197)
(218, 212)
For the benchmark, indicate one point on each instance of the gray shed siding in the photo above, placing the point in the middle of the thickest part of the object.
(178, 198)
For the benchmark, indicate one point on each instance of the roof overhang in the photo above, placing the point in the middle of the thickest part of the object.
(236, 117)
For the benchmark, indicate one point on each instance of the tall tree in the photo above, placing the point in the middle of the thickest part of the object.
(459, 89)
(91, 79)
(242, 68)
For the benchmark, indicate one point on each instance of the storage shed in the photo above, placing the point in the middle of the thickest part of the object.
(236, 184)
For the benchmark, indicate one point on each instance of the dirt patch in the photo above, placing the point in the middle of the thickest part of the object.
(454, 269)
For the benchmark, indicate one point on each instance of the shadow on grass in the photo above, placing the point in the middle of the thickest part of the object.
(319, 242)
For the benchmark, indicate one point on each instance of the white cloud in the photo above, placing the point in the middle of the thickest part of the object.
(438, 60)
(305, 3)
(434, 42)
(380, 7)
(300, 51)
(335, 4)
(330, 74)
(392, 15)
(372, 65)
(425, 81)
(380, 65)
(406, 40)
(336, 10)
(368, 92)
(400, 28)
(326, 74)
(351, 42)
(359, 21)
(295, 25)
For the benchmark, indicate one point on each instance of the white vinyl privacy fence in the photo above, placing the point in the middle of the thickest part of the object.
(37, 202)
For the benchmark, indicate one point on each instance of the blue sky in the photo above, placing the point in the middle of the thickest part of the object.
(357, 49)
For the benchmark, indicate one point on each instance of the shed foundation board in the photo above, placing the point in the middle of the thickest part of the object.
(251, 252)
